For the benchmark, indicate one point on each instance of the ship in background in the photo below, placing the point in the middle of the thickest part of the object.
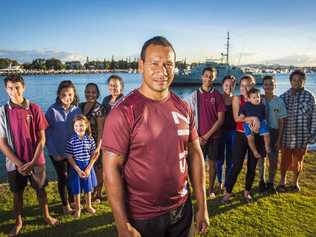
(192, 78)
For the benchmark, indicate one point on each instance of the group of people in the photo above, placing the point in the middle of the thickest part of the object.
(147, 148)
(72, 133)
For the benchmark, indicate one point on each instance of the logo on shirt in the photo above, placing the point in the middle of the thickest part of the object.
(179, 117)
(213, 100)
(183, 161)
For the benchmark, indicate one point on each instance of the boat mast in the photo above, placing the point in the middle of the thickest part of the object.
(227, 49)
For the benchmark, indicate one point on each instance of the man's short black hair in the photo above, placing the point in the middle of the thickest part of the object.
(298, 72)
(253, 91)
(157, 40)
(13, 78)
(268, 77)
(210, 69)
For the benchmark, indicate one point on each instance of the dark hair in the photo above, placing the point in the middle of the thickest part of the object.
(210, 69)
(229, 77)
(268, 77)
(157, 40)
(13, 78)
(298, 72)
(250, 78)
(116, 77)
(67, 84)
(253, 91)
(96, 87)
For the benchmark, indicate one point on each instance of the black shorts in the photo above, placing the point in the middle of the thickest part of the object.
(211, 149)
(176, 223)
(18, 182)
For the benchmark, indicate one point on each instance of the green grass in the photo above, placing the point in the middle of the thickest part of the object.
(288, 214)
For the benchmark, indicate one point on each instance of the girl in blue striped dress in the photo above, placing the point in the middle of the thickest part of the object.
(80, 153)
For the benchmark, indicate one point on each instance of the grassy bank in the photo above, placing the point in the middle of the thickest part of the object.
(287, 214)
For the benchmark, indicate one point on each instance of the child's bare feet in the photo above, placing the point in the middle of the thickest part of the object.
(90, 210)
(77, 214)
(67, 210)
(51, 220)
(16, 230)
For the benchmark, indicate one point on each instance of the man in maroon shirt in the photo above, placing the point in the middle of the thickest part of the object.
(151, 149)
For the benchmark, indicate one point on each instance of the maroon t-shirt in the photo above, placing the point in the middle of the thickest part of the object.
(153, 138)
(210, 104)
(25, 123)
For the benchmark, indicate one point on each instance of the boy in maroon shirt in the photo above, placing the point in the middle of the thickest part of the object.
(22, 139)
(209, 111)
(150, 148)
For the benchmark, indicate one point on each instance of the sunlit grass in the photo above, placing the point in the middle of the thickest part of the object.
(288, 214)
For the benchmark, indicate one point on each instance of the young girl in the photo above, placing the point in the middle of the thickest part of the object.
(80, 155)
(60, 118)
(95, 112)
(229, 133)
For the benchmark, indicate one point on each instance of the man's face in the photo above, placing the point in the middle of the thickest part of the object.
(207, 78)
(15, 91)
(297, 82)
(158, 68)
(269, 86)
(254, 98)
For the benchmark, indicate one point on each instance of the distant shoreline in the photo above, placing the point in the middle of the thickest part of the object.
(62, 72)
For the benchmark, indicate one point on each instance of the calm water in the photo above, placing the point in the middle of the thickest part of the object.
(41, 89)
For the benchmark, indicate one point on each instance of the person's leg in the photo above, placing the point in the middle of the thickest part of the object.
(17, 210)
(17, 184)
(266, 138)
(286, 160)
(252, 164)
(264, 131)
(273, 160)
(261, 169)
(212, 175)
(230, 141)
(220, 161)
(98, 189)
(62, 177)
(239, 151)
(77, 212)
(251, 143)
(213, 156)
(89, 207)
(42, 199)
(298, 159)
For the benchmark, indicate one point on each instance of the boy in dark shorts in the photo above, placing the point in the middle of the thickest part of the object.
(254, 107)
(22, 140)
(209, 109)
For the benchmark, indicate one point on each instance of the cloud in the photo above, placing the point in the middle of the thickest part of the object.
(296, 60)
(23, 56)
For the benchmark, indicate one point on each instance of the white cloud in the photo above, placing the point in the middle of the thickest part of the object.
(23, 56)
(296, 60)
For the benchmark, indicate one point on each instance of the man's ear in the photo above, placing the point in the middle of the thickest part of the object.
(140, 66)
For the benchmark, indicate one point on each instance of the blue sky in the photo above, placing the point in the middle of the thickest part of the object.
(261, 31)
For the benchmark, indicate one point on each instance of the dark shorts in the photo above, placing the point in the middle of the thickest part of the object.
(176, 223)
(18, 182)
(211, 149)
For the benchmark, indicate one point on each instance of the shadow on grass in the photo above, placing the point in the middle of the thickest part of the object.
(101, 224)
